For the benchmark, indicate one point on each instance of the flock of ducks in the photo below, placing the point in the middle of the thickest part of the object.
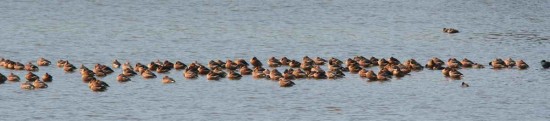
(235, 69)
(33, 80)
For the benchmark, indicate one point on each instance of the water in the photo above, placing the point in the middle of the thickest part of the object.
(94, 31)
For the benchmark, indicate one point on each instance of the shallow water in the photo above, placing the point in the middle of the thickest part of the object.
(89, 32)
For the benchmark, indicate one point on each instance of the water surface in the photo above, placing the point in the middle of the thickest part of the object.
(95, 31)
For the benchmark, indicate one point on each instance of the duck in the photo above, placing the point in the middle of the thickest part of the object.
(363, 73)
(337, 67)
(354, 68)
(288, 74)
(47, 77)
(213, 64)
(318, 75)
(338, 73)
(317, 68)
(39, 84)
(179, 65)
(438, 61)
(432, 65)
(389, 68)
(194, 66)
(245, 70)
(275, 74)
(363, 62)
(497, 63)
(358, 58)
(105, 69)
(455, 74)
(128, 72)
(167, 80)
(221, 63)
(68, 67)
(190, 74)
(319, 61)
(255, 62)
(164, 69)
(385, 72)
(241, 62)
(234, 75)
(18, 66)
(267, 72)
(446, 71)
(218, 71)
(397, 72)
(374, 61)
(168, 64)
(9, 64)
(335, 61)
(203, 70)
(545, 64)
(31, 76)
(87, 72)
(294, 64)
(404, 69)
(382, 62)
(158, 62)
(450, 30)
(393, 61)
(12, 77)
(371, 75)
(411, 64)
(333, 74)
(284, 61)
(307, 65)
(147, 74)
(350, 62)
(61, 63)
(97, 85)
(464, 84)
(31, 67)
(306, 59)
(140, 68)
(258, 74)
(230, 65)
(26, 85)
(122, 78)
(99, 73)
(285, 83)
(382, 76)
(127, 65)
(298, 73)
(4, 62)
(466, 63)
(212, 76)
(116, 64)
(43, 62)
(273, 62)
(510, 62)
(522, 65)
(453, 63)
(152, 66)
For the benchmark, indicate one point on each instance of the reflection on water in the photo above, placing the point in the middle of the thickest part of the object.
(90, 32)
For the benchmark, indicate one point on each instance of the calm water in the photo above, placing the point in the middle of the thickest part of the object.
(96, 31)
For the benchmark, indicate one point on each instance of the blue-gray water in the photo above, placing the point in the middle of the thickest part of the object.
(97, 31)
